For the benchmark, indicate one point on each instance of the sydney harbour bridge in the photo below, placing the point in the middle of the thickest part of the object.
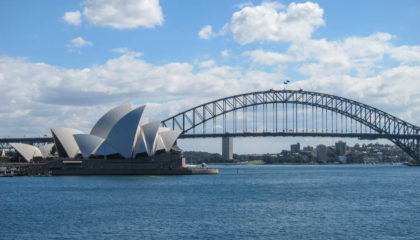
(286, 113)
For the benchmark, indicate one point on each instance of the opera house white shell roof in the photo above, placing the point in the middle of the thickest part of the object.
(27, 151)
(123, 135)
(104, 125)
(87, 143)
(46, 150)
(121, 131)
(65, 142)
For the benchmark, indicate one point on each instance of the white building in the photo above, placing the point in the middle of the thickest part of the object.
(120, 133)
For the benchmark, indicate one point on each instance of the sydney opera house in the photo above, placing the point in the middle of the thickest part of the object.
(121, 142)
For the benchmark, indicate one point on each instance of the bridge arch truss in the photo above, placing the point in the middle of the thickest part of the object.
(294, 113)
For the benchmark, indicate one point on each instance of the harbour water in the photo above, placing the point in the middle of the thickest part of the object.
(241, 202)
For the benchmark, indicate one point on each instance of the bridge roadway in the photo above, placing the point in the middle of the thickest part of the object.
(4, 142)
(364, 136)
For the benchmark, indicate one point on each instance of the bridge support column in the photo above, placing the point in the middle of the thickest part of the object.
(227, 148)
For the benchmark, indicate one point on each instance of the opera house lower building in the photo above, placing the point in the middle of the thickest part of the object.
(121, 142)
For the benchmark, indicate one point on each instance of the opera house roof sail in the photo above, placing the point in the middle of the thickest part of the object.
(122, 132)
(65, 142)
(87, 143)
(123, 135)
(28, 152)
(104, 125)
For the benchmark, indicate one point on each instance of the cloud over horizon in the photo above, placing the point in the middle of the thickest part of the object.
(271, 21)
(124, 14)
(206, 32)
(125, 78)
(74, 18)
(332, 67)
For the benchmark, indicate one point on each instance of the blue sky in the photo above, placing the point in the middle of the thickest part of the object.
(65, 64)
(35, 29)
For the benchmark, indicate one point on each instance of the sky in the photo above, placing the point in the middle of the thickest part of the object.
(66, 64)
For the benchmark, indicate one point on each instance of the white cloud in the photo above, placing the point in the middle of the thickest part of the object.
(354, 54)
(74, 18)
(383, 90)
(355, 67)
(406, 54)
(124, 14)
(206, 32)
(225, 53)
(79, 42)
(267, 58)
(127, 51)
(45, 96)
(207, 64)
(270, 22)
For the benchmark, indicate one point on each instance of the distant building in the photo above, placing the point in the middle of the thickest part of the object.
(294, 148)
(340, 148)
(308, 149)
(285, 153)
(321, 153)
(227, 148)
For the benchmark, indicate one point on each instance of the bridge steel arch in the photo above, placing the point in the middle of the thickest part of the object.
(377, 123)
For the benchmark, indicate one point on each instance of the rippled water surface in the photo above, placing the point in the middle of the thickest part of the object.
(260, 202)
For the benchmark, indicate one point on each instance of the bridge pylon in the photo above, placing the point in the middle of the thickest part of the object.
(227, 147)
